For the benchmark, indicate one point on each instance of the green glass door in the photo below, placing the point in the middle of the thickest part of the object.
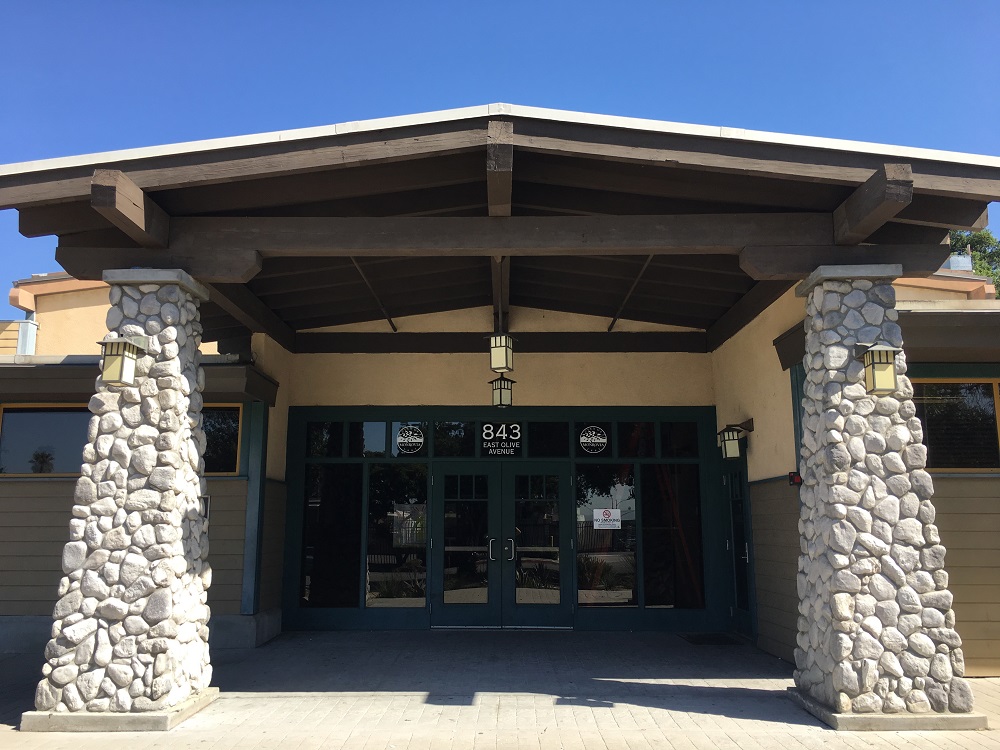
(500, 545)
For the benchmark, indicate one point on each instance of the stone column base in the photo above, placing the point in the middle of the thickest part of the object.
(147, 721)
(901, 722)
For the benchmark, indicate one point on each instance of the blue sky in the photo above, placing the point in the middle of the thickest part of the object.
(84, 77)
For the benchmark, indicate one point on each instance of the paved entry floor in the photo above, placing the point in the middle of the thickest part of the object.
(491, 689)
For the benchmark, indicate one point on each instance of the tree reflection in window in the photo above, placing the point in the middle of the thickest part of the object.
(606, 560)
(959, 423)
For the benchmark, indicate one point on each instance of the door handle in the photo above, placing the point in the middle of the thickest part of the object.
(511, 558)
(746, 553)
(490, 548)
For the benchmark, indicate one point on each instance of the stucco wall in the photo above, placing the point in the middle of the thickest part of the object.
(71, 322)
(749, 383)
(8, 336)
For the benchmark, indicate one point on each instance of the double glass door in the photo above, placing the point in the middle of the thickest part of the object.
(501, 536)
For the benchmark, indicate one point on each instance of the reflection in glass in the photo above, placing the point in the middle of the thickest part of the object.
(397, 536)
(679, 439)
(366, 439)
(466, 552)
(331, 535)
(671, 536)
(222, 438)
(548, 439)
(455, 439)
(605, 560)
(636, 439)
(960, 424)
(325, 439)
(536, 542)
(42, 441)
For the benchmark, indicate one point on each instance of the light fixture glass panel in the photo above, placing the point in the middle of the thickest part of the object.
(501, 353)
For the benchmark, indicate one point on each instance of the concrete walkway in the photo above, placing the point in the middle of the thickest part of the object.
(484, 689)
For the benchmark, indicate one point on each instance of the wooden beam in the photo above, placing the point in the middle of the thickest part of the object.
(231, 265)
(119, 200)
(500, 282)
(883, 195)
(628, 294)
(894, 233)
(779, 161)
(265, 160)
(59, 218)
(486, 236)
(475, 341)
(499, 166)
(752, 304)
(248, 310)
(946, 213)
(772, 263)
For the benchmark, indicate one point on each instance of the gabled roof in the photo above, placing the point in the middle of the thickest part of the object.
(684, 225)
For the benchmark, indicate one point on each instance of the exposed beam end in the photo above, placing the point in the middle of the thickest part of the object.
(119, 200)
(887, 192)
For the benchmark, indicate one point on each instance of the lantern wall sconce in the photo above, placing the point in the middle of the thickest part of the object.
(119, 355)
(503, 392)
(729, 438)
(880, 367)
(501, 353)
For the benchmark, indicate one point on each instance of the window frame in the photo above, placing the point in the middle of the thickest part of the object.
(958, 379)
(58, 405)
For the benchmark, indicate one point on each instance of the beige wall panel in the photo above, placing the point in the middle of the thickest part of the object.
(71, 322)
(606, 379)
(272, 561)
(749, 382)
(277, 363)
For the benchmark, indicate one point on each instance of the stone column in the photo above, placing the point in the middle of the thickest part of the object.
(876, 629)
(131, 623)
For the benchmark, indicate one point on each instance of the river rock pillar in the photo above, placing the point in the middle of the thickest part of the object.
(130, 630)
(876, 628)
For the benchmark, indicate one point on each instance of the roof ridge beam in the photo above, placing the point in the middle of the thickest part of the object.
(499, 166)
(119, 200)
(881, 197)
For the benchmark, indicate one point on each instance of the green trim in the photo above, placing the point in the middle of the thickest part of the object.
(254, 466)
(957, 370)
(717, 575)
(797, 375)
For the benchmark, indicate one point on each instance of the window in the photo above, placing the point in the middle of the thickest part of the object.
(39, 440)
(959, 420)
(48, 439)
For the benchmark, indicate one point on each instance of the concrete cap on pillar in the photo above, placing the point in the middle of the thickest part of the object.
(847, 273)
(161, 276)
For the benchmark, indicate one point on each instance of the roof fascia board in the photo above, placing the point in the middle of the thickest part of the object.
(500, 110)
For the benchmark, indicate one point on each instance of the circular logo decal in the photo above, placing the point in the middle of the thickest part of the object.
(593, 439)
(607, 514)
(409, 439)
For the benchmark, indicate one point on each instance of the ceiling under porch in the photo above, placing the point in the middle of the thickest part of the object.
(503, 206)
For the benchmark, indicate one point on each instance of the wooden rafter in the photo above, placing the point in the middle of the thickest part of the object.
(774, 263)
(628, 294)
(489, 236)
(119, 200)
(749, 306)
(881, 197)
(500, 282)
(249, 311)
(499, 166)
(374, 294)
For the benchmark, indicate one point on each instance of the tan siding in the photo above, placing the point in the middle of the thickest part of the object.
(273, 546)
(774, 509)
(968, 516)
(31, 542)
(226, 532)
(8, 336)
